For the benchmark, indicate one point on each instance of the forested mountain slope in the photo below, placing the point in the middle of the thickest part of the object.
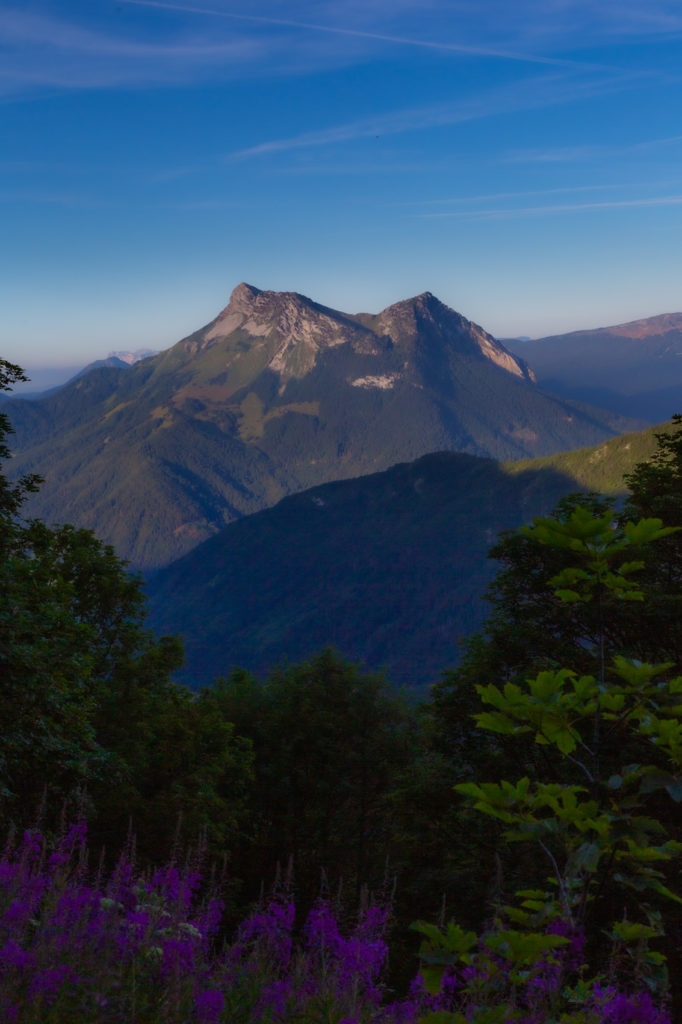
(390, 568)
(634, 369)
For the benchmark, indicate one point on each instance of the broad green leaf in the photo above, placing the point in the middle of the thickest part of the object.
(638, 674)
(432, 978)
(647, 530)
(571, 596)
(633, 931)
(496, 721)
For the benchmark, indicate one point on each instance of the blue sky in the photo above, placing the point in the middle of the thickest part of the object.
(522, 161)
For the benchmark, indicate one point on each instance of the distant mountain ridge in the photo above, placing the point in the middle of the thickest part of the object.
(120, 359)
(128, 357)
(633, 368)
(389, 568)
(276, 394)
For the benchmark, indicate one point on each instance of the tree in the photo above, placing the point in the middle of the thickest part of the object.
(81, 675)
(12, 496)
(655, 488)
(599, 830)
(47, 734)
(87, 702)
(529, 627)
(330, 745)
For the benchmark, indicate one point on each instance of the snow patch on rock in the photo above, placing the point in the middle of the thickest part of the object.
(382, 381)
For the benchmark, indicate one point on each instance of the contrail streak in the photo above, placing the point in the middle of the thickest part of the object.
(472, 51)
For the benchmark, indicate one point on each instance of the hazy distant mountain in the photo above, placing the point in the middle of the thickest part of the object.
(132, 357)
(634, 369)
(40, 380)
(390, 568)
(275, 395)
(111, 361)
(44, 382)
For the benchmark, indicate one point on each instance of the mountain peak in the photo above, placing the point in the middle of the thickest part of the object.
(287, 331)
(276, 394)
(425, 299)
(291, 330)
(242, 298)
(247, 300)
(424, 319)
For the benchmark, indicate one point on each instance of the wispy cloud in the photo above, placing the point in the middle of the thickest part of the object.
(493, 28)
(556, 154)
(527, 94)
(393, 164)
(530, 211)
(565, 26)
(527, 193)
(40, 31)
(40, 50)
(616, 17)
(572, 154)
(94, 48)
(464, 49)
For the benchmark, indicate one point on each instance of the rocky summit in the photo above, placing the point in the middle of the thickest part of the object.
(276, 394)
(288, 334)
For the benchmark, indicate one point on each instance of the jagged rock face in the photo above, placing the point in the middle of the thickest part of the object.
(287, 330)
(291, 331)
(426, 319)
(276, 394)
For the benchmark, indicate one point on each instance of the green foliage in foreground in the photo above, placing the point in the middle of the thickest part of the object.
(596, 818)
(88, 708)
(322, 763)
(301, 766)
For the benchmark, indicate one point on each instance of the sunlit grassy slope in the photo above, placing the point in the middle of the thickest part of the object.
(600, 468)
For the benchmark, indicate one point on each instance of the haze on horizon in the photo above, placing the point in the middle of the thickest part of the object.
(522, 162)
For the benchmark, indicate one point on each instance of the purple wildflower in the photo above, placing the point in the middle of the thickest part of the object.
(209, 1005)
(322, 931)
(270, 927)
(32, 846)
(274, 999)
(177, 888)
(13, 956)
(178, 957)
(73, 839)
(46, 984)
(619, 1008)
